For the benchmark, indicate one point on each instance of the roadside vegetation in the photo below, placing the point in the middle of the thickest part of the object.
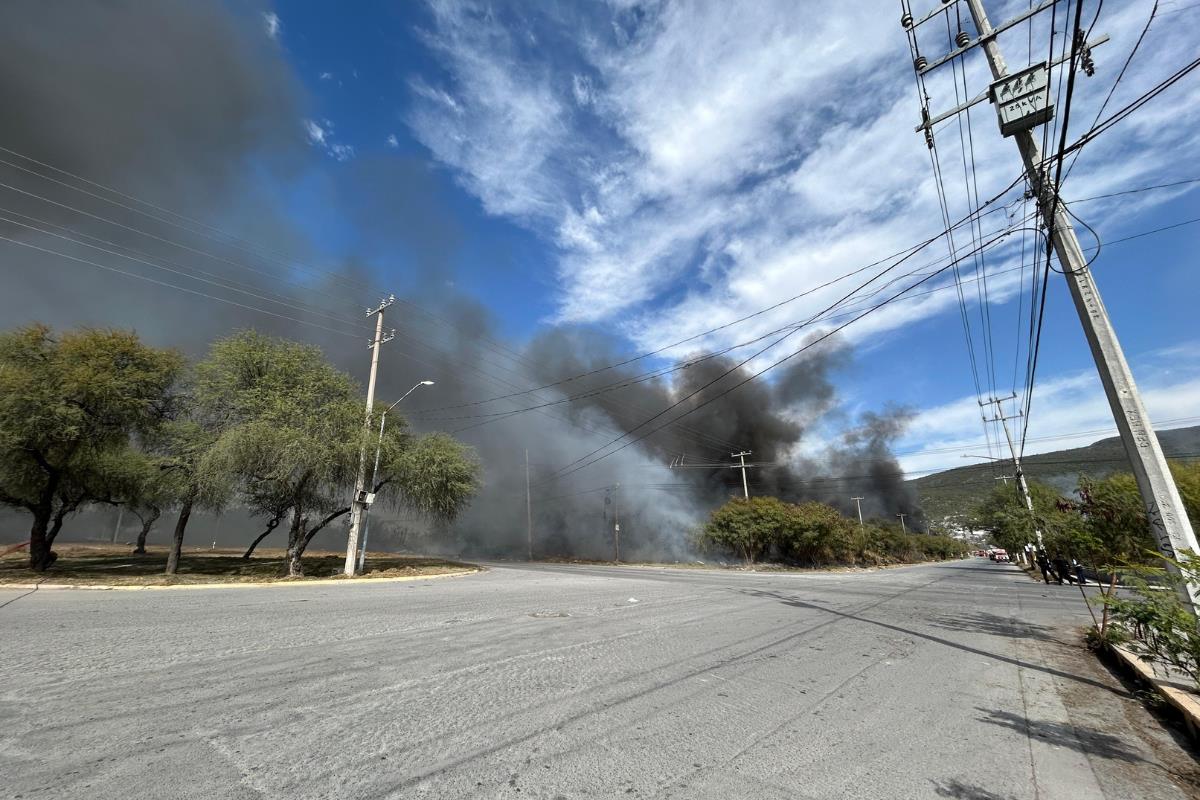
(1104, 526)
(814, 535)
(93, 417)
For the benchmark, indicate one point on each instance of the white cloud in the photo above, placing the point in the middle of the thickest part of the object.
(321, 136)
(392, 141)
(326, 76)
(1068, 411)
(341, 152)
(693, 165)
(581, 87)
(316, 134)
(271, 24)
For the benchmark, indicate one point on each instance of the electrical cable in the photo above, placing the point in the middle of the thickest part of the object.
(1120, 75)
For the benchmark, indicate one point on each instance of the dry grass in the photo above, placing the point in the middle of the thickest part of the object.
(116, 565)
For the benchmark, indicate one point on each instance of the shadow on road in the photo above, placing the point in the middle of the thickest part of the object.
(994, 570)
(797, 603)
(993, 625)
(963, 791)
(1064, 734)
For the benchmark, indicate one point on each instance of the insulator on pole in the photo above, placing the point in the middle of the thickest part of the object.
(920, 62)
(906, 22)
(962, 39)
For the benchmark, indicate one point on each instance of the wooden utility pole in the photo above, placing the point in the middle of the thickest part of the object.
(360, 500)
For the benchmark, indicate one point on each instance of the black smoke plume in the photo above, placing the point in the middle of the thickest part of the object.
(136, 136)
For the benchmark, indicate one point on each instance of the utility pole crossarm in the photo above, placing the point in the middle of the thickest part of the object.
(979, 98)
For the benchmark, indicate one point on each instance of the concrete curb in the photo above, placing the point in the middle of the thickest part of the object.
(106, 587)
(1185, 702)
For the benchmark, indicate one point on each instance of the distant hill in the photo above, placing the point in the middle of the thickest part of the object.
(956, 491)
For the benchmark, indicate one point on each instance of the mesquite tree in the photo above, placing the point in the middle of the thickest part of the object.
(291, 431)
(69, 407)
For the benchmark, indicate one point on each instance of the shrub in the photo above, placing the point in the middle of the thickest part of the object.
(813, 534)
(1160, 626)
(746, 527)
(816, 534)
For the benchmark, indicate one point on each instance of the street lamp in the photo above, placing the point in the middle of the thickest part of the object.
(362, 554)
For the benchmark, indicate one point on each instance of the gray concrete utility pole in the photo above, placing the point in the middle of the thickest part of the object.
(1018, 473)
(617, 523)
(366, 514)
(120, 519)
(360, 501)
(528, 508)
(1169, 524)
(903, 527)
(858, 505)
(745, 484)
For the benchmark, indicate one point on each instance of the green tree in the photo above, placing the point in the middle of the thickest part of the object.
(70, 406)
(193, 473)
(1187, 479)
(291, 429)
(435, 475)
(747, 527)
(1004, 515)
(143, 484)
(817, 533)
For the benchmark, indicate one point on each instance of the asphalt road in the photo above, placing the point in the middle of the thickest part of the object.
(954, 680)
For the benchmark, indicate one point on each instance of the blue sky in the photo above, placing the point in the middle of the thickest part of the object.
(655, 169)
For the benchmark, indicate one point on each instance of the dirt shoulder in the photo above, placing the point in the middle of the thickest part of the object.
(116, 565)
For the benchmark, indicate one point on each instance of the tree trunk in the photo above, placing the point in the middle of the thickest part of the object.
(147, 523)
(271, 525)
(1112, 585)
(296, 545)
(185, 513)
(40, 554)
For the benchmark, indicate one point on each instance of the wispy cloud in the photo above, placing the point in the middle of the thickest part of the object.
(271, 24)
(693, 165)
(1069, 411)
(320, 135)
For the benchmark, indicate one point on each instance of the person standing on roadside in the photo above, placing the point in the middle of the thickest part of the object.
(1061, 568)
(1044, 566)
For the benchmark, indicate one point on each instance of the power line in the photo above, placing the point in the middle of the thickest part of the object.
(577, 465)
(1120, 75)
(148, 279)
(786, 331)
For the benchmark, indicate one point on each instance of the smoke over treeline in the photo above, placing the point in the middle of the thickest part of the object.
(149, 149)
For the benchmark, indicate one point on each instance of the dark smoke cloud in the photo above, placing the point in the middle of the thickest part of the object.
(162, 98)
(185, 104)
(173, 102)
